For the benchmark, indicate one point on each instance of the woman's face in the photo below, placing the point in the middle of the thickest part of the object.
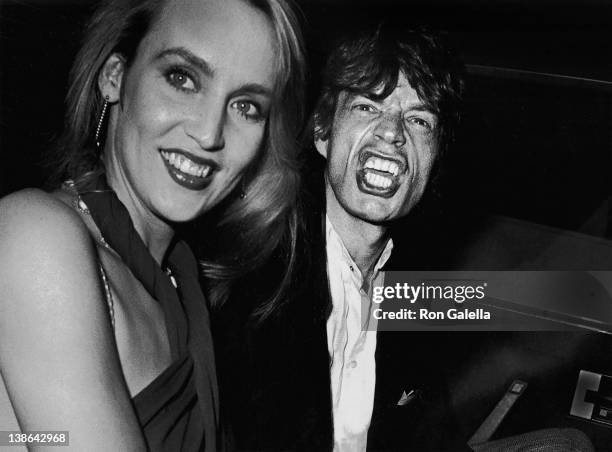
(193, 107)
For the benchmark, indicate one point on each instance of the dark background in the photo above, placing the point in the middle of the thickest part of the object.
(535, 146)
(535, 143)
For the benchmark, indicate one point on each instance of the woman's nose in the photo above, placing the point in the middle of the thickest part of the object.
(390, 129)
(206, 127)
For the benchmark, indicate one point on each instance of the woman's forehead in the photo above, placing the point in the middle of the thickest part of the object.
(230, 35)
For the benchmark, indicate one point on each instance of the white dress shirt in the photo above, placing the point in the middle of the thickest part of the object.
(351, 349)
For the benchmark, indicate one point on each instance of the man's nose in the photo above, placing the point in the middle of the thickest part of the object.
(205, 126)
(391, 130)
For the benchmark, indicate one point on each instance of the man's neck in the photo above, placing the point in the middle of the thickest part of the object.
(364, 241)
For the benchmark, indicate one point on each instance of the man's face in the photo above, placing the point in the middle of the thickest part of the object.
(380, 153)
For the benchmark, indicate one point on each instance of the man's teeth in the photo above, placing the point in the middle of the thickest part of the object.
(379, 164)
(185, 165)
(377, 180)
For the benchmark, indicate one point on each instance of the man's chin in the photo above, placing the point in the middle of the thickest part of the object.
(374, 211)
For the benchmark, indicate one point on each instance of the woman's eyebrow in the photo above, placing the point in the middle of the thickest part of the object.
(204, 66)
(189, 57)
(254, 88)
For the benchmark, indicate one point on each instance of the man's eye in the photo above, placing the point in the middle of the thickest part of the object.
(181, 80)
(365, 108)
(247, 109)
(420, 122)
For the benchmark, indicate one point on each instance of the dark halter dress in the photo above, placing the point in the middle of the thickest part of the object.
(178, 411)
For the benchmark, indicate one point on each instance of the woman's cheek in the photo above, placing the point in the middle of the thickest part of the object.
(243, 146)
(156, 111)
(161, 117)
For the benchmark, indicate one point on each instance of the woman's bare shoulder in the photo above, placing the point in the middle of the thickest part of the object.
(33, 202)
(32, 217)
(57, 349)
(44, 245)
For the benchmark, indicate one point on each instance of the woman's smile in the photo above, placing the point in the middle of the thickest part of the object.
(187, 170)
(194, 108)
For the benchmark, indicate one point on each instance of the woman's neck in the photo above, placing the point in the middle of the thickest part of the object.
(154, 232)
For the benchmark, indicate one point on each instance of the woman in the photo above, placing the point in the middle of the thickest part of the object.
(174, 107)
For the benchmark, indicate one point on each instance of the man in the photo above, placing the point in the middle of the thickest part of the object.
(309, 376)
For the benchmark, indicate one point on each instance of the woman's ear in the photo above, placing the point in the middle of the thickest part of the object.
(111, 77)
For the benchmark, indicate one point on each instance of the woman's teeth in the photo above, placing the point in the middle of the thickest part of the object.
(186, 165)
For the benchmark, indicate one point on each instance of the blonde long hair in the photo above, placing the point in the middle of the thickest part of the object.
(243, 231)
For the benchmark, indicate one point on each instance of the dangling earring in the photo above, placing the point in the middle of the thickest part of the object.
(242, 190)
(101, 121)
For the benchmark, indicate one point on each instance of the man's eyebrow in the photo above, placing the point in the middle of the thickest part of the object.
(189, 58)
(421, 107)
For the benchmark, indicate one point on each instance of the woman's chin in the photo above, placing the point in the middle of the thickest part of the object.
(173, 210)
(183, 206)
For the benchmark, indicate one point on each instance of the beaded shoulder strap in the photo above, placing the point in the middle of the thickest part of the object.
(108, 294)
(79, 205)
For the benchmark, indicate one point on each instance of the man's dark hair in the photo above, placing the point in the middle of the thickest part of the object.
(369, 59)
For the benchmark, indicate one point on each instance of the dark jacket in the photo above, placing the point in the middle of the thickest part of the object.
(274, 374)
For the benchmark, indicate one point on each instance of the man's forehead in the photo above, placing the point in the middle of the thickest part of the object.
(402, 81)
(402, 91)
(386, 87)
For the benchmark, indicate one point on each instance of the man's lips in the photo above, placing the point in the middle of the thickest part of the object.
(379, 174)
(381, 162)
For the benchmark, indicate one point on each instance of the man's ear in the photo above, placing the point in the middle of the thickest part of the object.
(321, 146)
(111, 77)
(319, 142)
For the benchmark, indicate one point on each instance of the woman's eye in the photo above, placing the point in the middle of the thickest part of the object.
(180, 80)
(247, 109)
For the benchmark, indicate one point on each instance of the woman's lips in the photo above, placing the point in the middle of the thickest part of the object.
(188, 170)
